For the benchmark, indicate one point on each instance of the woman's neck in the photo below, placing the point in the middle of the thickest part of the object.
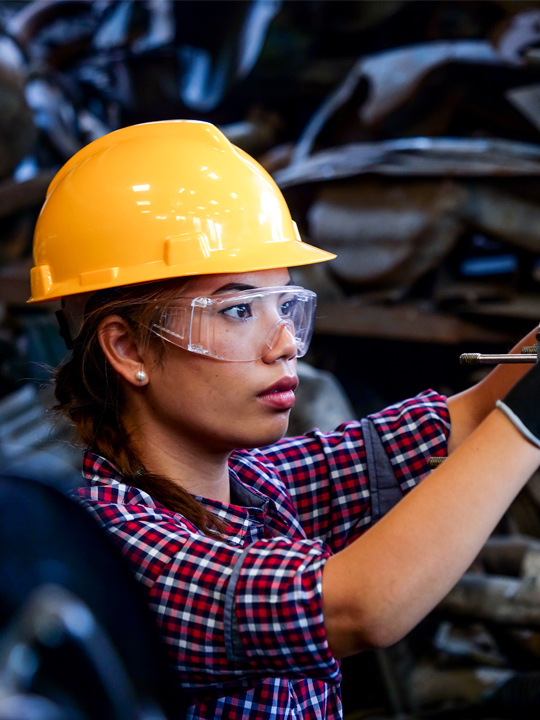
(195, 468)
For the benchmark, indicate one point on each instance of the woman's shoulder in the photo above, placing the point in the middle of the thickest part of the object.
(115, 503)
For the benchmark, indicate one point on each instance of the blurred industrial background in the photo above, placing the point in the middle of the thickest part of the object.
(405, 136)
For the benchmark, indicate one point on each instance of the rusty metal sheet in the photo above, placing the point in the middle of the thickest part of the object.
(379, 83)
(386, 232)
(495, 599)
(503, 214)
(519, 33)
(418, 156)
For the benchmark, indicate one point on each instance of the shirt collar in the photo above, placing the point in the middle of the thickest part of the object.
(97, 468)
(95, 465)
(243, 495)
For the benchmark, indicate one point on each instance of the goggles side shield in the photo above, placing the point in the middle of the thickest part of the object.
(242, 326)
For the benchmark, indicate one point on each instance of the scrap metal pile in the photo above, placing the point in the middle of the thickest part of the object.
(421, 171)
(406, 138)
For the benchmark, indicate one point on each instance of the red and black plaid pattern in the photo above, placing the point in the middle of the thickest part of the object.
(241, 616)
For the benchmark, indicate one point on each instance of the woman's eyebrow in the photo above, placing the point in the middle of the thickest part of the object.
(240, 287)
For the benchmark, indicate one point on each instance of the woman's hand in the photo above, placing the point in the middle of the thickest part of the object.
(470, 407)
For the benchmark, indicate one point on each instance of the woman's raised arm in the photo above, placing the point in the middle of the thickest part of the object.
(381, 586)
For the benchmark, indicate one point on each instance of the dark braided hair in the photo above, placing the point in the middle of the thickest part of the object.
(88, 391)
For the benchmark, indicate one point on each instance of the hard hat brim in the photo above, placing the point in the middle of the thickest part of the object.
(286, 253)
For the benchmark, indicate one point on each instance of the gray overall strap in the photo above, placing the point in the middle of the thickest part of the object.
(383, 485)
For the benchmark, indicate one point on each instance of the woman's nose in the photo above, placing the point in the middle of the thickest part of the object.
(281, 342)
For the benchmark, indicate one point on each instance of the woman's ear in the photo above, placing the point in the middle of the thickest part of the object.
(121, 350)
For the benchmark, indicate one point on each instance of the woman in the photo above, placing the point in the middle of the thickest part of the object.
(169, 248)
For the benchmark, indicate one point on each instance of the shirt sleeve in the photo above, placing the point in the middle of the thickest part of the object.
(227, 612)
(413, 431)
(326, 474)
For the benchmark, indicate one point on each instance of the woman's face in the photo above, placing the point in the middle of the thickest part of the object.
(222, 405)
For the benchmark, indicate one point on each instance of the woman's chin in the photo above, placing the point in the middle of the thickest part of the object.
(266, 436)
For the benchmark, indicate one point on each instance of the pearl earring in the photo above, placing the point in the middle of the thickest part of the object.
(140, 375)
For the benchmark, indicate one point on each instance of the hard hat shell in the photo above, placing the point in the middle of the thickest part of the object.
(160, 200)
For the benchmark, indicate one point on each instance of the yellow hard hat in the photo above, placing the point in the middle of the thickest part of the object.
(160, 200)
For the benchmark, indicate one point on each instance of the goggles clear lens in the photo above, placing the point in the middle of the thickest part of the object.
(243, 326)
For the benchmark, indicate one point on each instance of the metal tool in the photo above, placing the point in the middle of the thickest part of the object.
(528, 355)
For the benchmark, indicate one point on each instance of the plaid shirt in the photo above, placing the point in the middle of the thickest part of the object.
(241, 616)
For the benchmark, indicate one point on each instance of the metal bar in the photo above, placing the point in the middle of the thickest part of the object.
(479, 359)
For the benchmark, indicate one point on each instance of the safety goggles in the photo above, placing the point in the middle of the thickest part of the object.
(240, 326)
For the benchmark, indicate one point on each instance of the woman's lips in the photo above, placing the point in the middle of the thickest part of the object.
(280, 395)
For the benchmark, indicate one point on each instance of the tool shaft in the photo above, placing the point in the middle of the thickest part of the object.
(480, 359)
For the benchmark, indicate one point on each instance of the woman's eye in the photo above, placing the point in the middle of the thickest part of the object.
(287, 308)
(239, 312)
